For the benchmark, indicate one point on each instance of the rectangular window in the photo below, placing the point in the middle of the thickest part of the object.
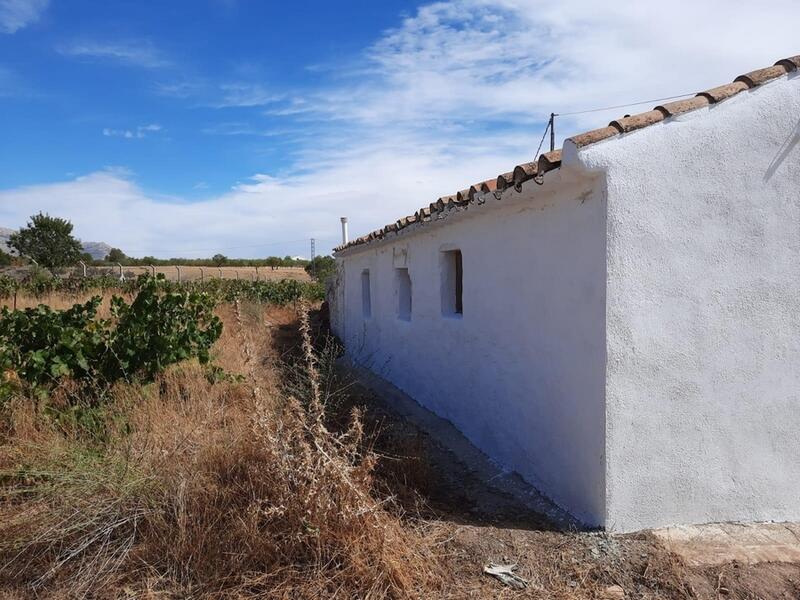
(366, 298)
(403, 292)
(452, 283)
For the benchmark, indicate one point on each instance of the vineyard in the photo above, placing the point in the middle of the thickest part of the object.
(277, 292)
(166, 442)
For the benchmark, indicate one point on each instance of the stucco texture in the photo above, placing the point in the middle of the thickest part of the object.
(630, 341)
(703, 316)
(521, 372)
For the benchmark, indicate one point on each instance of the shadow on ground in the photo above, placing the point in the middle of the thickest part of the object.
(486, 516)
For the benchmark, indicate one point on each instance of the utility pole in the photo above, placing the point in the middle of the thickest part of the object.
(552, 131)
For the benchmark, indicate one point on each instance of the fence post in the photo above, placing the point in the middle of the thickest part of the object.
(153, 270)
(220, 272)
(121, 274)
(237, 273)
(202, 275)
(83, 264)
(178, 269)
(258, 277)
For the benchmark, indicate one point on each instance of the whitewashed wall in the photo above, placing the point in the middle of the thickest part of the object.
(522, 372)
(703, 313)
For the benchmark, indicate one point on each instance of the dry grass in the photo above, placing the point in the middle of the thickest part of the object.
(226, 490)
(266, 486)
(59, 302)
(192, 273)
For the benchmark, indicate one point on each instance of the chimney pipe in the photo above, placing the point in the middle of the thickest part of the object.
(344, 230)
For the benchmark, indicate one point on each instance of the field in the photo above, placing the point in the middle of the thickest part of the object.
(191, 273)
(277, 475)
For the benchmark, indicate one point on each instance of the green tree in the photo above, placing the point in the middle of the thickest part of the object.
(5, 259)
(273, 262)
(321, 267)
(219, 259)
(115, 255)
(47, 240)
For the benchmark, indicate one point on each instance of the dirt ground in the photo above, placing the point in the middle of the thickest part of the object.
(479, 525)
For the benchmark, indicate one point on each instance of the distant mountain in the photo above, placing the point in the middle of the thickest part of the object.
(98, 250)
(5, 232)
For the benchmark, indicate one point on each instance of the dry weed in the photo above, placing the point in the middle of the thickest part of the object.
(229, 489)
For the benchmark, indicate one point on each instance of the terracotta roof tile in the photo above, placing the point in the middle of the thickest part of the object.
(549, 161)
(792, 63)
(754, 78)
(633, 122)
(552, 160)
(484, 187)
(670, 109)
(596, 135)
(505, 180)
(489, 185)
(723, 92)
(524, 172)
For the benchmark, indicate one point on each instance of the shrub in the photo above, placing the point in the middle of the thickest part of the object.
(41, 346)
(157, 330)
(321, 267)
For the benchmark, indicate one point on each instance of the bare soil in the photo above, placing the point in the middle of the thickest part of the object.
(256, 492)
(480, 524)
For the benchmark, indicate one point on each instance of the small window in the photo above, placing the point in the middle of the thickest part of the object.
(452, 283)
(366, 298)
(403, 291)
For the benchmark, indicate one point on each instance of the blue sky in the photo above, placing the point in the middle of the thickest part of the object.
(175, 81)
(247, 127)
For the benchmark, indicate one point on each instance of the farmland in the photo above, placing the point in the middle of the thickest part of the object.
(244, 463)
(193, 273)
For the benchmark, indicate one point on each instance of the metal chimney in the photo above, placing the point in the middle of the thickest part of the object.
(344, 230)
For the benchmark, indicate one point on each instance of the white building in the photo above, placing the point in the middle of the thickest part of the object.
(619, 321)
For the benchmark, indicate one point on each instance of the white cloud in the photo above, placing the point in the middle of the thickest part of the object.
(138, 133)
(476, 59)
(242, 94)
(456, 94)
(17, 14)
(230, 94)
(139, 53)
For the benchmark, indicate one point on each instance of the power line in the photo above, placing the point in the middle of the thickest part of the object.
(591, 110)
(551, 126)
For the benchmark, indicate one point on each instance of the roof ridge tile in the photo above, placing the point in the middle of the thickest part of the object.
(552, 160)
(634, 122)
(759, 76)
